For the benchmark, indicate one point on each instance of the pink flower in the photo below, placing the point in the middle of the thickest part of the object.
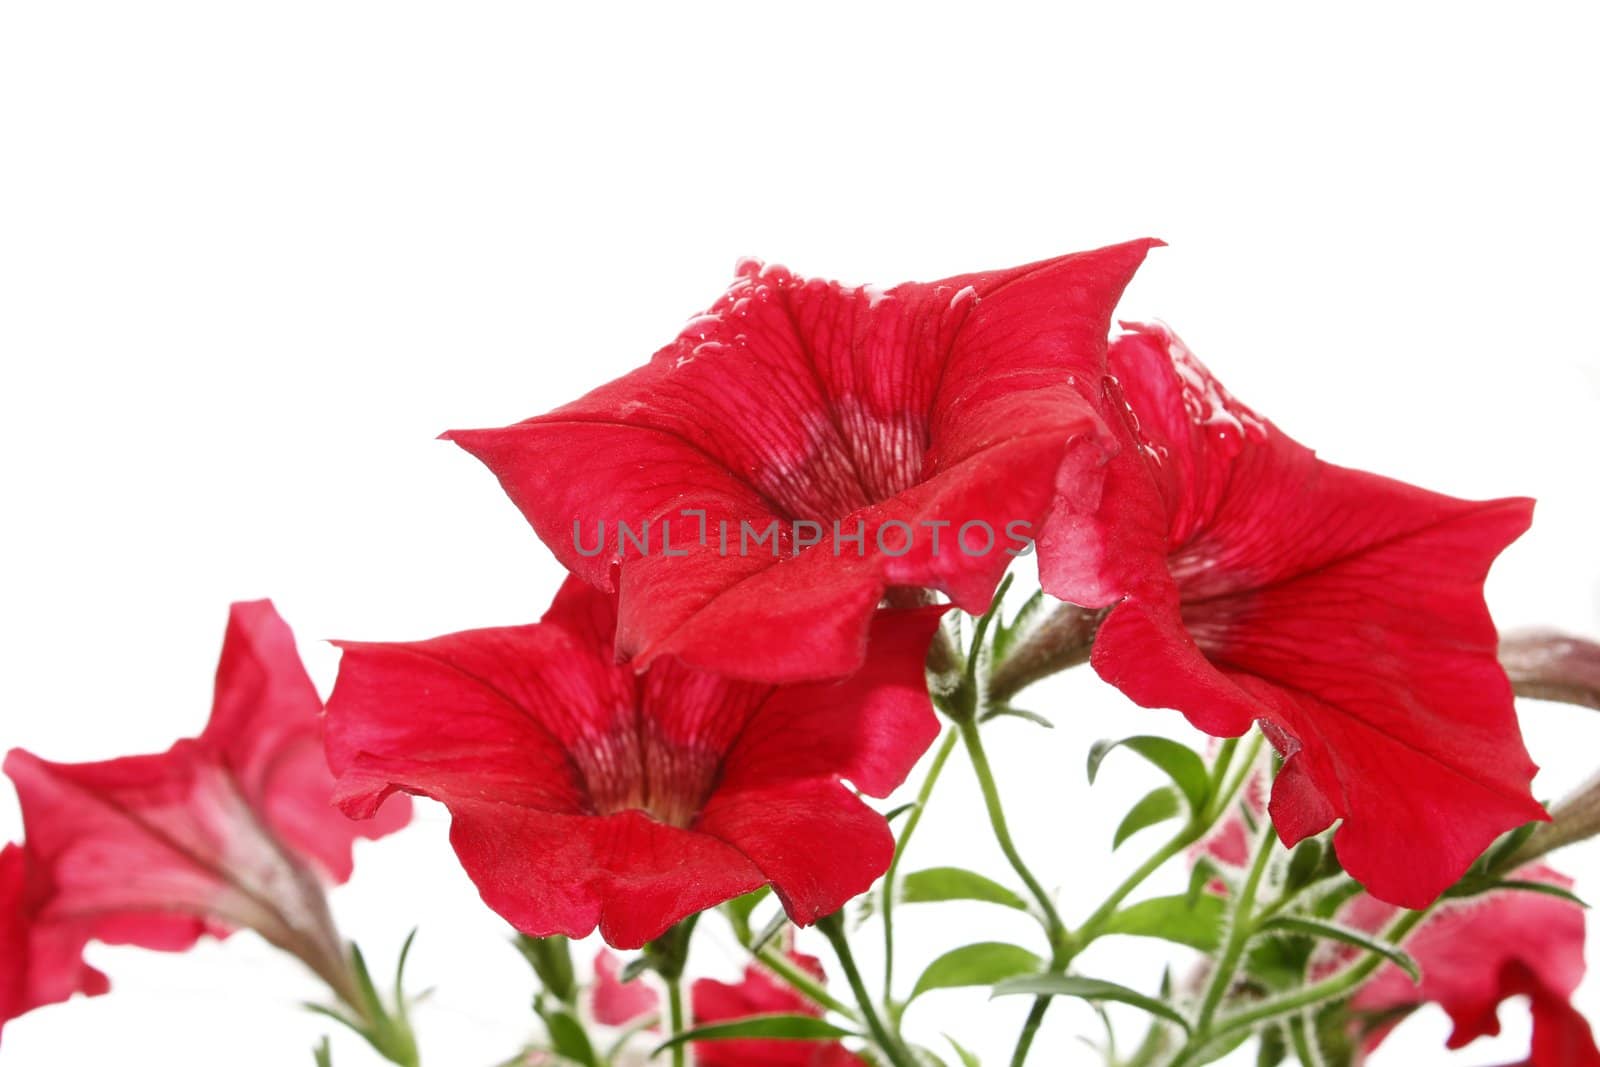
(1476, 954)
(40, 963)
(614, 1002)
(232, 829)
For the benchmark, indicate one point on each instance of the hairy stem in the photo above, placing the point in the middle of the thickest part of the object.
(1063, 640)
(832, 927)
(1239, 931)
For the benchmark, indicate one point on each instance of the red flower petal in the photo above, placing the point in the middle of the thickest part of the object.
(615, 1002)
(1478, 953)
(585, 794)
(1342, 610)
(943, 403)
(213, 834)
(40, 963)
(761, 994)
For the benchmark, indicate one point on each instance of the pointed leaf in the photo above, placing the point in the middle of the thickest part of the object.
(984, 963)
(1349, 936)
(1542, 887)
(967, 1058)
(1155, 807)
(1304, 863)
(766, 1027)
(1181, 763)
(953, 883)
(889, 816)
(1071, 985)
(1034, 717)
(1205, 871)
(323, 1054)
(1197, 925)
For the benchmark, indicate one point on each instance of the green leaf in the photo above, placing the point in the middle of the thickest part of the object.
(324, 1054)
(1523, 886)
(984, 963)
(400, 972)
(1197, 924)
(1304, 863)
(551, 959)
(1181, 763)
(1017, 713)
(953, 883)
(1155, 807)
(768, 1027)
(1348, 935)
(773, 928)
(1071, 985)
(568, 1038)
(739, 910)
(1009, 632)
(1202, 874)
(889, 816)
(967, 1058)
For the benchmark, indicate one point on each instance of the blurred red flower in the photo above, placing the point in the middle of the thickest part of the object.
(232, 829)
(614, 1002)
(1344, 611)
(1483, 951)
(762, 994)
(40, 963)
(583, 793)
(894, 416)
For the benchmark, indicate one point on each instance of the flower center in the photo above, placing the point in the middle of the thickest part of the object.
(640, 770)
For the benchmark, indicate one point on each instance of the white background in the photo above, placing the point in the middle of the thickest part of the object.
(253, 257)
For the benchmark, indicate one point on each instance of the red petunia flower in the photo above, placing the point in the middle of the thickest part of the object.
(232, 829)
(40, 963)
(583, 793)
(614, 1002)
(1341, 610)
(1483, 951)
(803, 446)
(761, 994)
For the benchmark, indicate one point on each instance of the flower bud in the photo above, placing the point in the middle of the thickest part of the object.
(1553, 666)
(1576, 818)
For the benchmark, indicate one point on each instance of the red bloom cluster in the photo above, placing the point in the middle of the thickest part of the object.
(231, 829)
(1250, 581)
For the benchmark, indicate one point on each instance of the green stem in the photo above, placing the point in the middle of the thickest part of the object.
(804, 984)
(913, 819)
(675, 1016)
(1240, 931)
(1061, 943)
(1334, 988)
(1059, 937)
(833, 929)
(1030, 1027)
